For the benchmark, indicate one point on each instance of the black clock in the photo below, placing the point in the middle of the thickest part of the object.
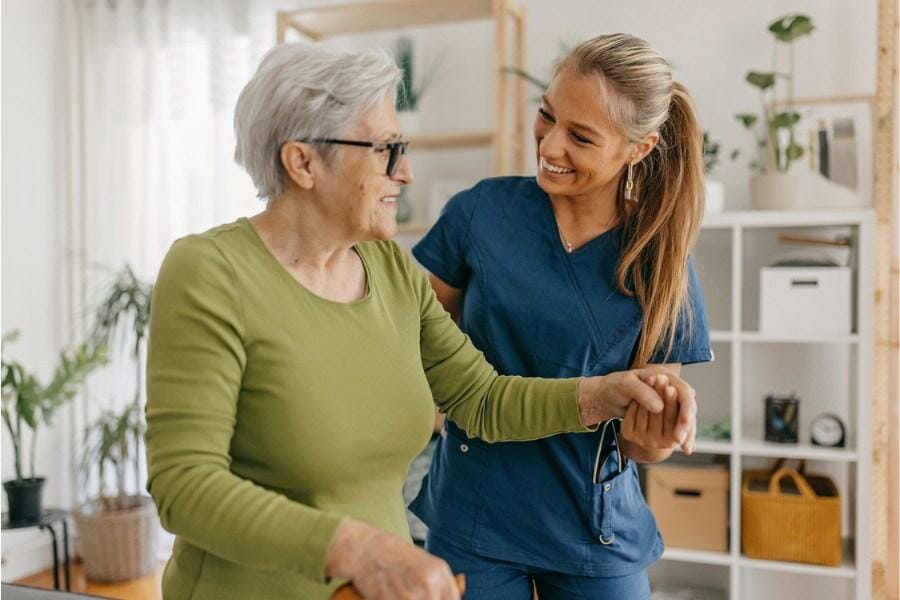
(828, 430)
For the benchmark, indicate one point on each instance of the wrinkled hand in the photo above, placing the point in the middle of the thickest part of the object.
(675, 425)
(383, 566)
(609, 396)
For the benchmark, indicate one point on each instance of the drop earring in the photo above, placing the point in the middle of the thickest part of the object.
(629, 183)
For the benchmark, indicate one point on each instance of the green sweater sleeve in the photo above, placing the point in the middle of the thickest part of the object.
(486, 405)
(196, 358)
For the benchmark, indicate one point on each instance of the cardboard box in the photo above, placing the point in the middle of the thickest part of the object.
(690, 505)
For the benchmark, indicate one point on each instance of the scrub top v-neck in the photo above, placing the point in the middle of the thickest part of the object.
(536, 310)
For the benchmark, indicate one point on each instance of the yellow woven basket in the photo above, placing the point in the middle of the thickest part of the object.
(800, 523)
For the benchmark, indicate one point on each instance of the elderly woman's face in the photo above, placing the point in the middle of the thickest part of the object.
(579, 152)
(365, 193)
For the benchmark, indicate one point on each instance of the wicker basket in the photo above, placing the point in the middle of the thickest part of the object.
(118, 545)
(801, 523)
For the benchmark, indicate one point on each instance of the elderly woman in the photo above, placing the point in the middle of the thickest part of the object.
(294, 358)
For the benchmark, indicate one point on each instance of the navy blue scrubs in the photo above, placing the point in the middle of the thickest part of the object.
(537, 311)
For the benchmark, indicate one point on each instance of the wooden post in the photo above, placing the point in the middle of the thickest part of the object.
(520, 128)
(884, 499)
(501, 61)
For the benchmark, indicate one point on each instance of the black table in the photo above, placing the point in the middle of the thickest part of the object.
(47, 522)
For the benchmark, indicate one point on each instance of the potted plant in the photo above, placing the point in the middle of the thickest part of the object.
(772, 186)
(118, 534)
(119, 531)
(26, 404)
(715, 190)
(410, 93)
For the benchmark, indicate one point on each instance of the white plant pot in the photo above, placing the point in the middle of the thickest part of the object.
(410, 121)
(715, 197)
(775, 191)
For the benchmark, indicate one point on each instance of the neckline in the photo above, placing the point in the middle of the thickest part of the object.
(276, 266)
(556, 234)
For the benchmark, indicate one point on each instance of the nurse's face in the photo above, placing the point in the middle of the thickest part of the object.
(579, 152)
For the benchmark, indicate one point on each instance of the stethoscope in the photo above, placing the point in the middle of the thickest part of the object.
(609, 444)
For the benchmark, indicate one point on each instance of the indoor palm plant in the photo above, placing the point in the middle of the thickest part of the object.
(118, 532)
(776, 147)
(26, 404)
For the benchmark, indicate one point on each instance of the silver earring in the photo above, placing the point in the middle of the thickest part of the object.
(629, 183)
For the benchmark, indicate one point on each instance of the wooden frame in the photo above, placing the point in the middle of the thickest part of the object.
(507, 138)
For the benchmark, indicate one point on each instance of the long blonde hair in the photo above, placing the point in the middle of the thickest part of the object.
(662, 220)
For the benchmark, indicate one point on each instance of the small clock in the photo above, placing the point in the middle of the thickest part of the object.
(827, 430)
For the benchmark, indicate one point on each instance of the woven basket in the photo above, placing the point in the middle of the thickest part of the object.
(118, 545)
(801, 523)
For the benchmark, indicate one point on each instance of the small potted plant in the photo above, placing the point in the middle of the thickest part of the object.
(26, 404)
(410, 93)
(715, 190)
(776, 147)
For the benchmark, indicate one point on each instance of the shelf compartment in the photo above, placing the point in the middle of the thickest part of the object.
(806, 451)
(697, 556)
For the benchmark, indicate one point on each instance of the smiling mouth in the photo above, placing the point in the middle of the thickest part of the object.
(389, 199)
(556, 170)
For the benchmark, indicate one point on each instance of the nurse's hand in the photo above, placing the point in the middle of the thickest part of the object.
(383, 566)
(609, 396)
(651, 437)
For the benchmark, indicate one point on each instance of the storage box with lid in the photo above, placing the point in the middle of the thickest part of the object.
(800, 300)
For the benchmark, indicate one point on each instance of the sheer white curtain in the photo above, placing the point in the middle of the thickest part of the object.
(153, 85)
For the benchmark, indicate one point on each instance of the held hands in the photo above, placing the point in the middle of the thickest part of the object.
(383, 566)
(657, 434)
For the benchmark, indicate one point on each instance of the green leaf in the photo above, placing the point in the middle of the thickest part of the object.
(785, 119)
(735, 154)
(748, 119)
(762, 80)
(794, 151)
(790, 27)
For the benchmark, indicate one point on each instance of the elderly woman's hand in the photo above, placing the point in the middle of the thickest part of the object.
(383, 566)
(650, 437)
(609, 396)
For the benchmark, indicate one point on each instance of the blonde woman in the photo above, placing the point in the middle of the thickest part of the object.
(581, 271)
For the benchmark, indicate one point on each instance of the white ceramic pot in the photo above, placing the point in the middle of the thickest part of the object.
(715, 197)
(775, 191)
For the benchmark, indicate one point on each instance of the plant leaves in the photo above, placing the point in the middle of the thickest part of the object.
(790, 27)
(748, 119)
(794, 151)
(761, 79)
(785, 119)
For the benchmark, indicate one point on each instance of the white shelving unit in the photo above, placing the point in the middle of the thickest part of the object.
(829, 372)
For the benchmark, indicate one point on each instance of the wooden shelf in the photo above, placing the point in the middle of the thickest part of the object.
(788, 218)
(810, 338)
(705, 557)
(846, 570)
(386, 14)
(439, 141)
(807, 451)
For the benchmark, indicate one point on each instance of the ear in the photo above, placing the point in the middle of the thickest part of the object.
(644, 147)
(295, 158)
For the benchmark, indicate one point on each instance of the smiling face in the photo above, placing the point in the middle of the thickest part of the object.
(579, 151)
(356, 189)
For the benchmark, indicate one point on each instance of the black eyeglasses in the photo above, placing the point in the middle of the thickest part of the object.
(395, 149)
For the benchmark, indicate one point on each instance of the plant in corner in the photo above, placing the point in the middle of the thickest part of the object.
(773, 128)
(410, 93)
(118, 532)
(715, 190)
(26, 404)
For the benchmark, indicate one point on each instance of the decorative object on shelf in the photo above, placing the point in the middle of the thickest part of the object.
(26, 404)
(410, 92)
(404, 208)
(790, 516)
(782, 419)
(828, 430)
(118, 533)
(805, 300)
(777, 145)
(715, 189)
(715, 430)
(690, 504)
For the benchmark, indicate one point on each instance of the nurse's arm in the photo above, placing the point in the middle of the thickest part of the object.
(449, 296)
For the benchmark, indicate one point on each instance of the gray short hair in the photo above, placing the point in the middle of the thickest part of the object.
(304, 91)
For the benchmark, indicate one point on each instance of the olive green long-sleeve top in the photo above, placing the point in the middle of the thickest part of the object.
(273, 413)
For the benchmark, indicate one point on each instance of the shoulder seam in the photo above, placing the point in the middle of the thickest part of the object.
(234, 282)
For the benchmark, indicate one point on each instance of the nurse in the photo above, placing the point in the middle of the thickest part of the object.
(583, 270)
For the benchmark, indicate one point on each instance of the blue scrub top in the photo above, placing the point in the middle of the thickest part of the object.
(537, 311)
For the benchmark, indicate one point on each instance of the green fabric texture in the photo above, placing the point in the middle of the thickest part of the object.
(273, 413)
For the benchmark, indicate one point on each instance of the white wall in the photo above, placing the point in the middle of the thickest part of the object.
(32, 240)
